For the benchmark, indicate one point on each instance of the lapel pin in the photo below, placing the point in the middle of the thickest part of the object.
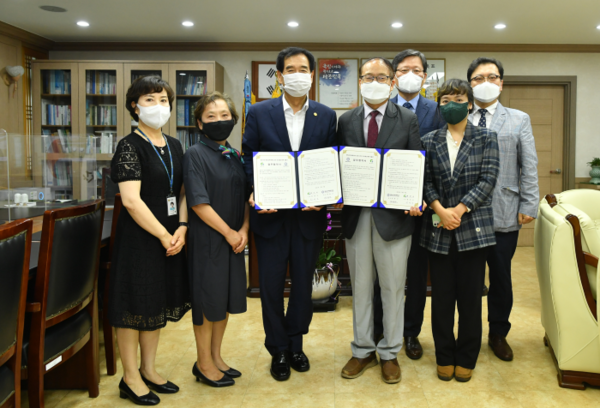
(315, 113)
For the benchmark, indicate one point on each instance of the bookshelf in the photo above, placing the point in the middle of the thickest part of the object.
(81, 105)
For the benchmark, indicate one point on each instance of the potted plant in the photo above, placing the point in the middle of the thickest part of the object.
(595, 171)
(325, 281)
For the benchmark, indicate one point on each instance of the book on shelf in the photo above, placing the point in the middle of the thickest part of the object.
(188, 137)
(57, 142)
(105, 142)
(180, 112)
(100, 83)
(56, 82)
(100, 115)
(58, 173)
(55, 115)
(191, 85)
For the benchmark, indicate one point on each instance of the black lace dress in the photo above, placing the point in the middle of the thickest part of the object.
(147, 288)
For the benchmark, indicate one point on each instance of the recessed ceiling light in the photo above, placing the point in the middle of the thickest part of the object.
(83, 24)
(396, 25)
(293, 24)
(187, 24)
(53, 9)
(598, 27)
(500, 26)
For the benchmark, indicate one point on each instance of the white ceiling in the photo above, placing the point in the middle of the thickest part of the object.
(339, 21)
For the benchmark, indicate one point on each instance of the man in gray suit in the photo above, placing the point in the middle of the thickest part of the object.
(377, 240)
(516, 195)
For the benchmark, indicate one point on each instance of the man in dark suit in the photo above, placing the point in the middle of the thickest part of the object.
(410, 67)
(377, 238)
(288, 238)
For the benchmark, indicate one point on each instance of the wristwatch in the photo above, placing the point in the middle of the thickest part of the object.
(183, 224)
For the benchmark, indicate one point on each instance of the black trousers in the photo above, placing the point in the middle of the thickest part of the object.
(457, 279)
(416, 292)
(500, 296)
(284, 330)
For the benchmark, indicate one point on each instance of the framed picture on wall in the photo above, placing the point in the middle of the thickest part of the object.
(338, 82)
(264, 75)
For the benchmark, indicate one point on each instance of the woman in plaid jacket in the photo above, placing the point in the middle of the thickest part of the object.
(458, 227)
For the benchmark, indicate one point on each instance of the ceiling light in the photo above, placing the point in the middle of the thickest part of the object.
(293, 24)
(598, 27)
(500, 26)
(53, 9)
(83, 24)
(396, 25)
(187, 24)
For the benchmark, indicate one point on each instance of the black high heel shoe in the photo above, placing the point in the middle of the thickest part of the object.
(126, 392)
(168, 388)
(226, 381)
(232, 372)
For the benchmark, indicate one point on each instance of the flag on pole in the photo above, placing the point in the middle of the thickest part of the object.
(277, 91)
(249, 99)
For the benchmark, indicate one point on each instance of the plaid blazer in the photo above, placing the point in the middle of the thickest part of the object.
(472, 183)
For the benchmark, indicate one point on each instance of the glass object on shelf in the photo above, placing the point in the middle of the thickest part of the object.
(191, 83)
(58, 179)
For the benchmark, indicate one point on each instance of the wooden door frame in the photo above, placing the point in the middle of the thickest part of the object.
(569, 84)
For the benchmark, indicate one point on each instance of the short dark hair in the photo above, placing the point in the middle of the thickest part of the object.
(484, 60)
(402, 55)
(147, 85)
(456, 87)
(290, 52)
(384, 60)
(212, 97)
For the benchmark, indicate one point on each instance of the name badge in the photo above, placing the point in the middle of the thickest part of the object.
(171, 206)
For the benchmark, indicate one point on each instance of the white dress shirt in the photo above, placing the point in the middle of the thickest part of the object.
(294, 123)
(414, 102)
(367, 118)
(488, 115)
(453, 149)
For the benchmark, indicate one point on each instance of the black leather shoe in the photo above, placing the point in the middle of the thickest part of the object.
(412, 347)
(226, 381)
(299, 361)
(126, 392)
(168, 388)
(232, 372)
(280, 366)
(500, 347)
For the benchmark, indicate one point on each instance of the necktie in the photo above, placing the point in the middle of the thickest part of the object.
(373, 129)
(407, 105)
(482, 122)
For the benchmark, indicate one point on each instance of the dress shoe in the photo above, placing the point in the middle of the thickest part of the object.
(445, 373)
(280, 366)
(412, 347)
(168, 388)
(390, 371)
(232, 372)
(463, 374)
(355, 367)
(299, 361)
(226, 381)
(126, 392)
(501, 348)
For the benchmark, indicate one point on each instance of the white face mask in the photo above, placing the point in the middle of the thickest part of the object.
(486, 92)
(375, 92)
(297, 84)
(409, 83)
(154, 116)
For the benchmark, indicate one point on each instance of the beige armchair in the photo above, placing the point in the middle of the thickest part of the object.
(567, 245)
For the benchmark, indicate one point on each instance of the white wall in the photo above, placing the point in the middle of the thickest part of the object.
(584, 66)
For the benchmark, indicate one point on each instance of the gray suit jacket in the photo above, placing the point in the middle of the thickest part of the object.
(517, 188)
(399, 130)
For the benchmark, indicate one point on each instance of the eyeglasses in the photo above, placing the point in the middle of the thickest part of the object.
(416, 71)
(479, 79)
(382, 79)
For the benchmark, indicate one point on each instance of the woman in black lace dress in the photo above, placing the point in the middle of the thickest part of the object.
(148, 282)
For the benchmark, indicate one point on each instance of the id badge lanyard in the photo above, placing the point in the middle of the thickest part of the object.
(171, 207)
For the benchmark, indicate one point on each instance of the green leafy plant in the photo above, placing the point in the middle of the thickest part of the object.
(595, 162)
(327, 256)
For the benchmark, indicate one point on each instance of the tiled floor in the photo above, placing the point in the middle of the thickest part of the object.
(529, 381)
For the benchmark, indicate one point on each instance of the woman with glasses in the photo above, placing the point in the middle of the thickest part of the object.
(458, 227)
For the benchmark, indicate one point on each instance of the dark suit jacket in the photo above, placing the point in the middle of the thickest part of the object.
(266, 131)
(427, 114)
(472, 183)
(399, 130)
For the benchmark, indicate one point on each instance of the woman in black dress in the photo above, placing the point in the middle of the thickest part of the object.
(217, 193)
(148, 282)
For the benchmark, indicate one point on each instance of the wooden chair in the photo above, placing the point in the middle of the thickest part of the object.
(109, 332)
(64, 307)
(15, 249)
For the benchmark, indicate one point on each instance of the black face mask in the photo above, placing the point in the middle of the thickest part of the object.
(218, 131)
